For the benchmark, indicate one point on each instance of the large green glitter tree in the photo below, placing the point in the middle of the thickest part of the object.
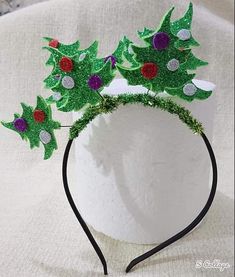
(78, 75)
(74, 79)
(164, 63)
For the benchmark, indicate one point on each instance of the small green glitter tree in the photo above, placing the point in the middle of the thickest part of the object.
(164, 63)
(36, 125)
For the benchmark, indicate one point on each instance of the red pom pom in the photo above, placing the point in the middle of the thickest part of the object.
(149, 70)
(66, 64)
(54, 43)
(39, 116)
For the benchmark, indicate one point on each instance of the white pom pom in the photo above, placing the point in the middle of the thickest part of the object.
(45, 137)
(82, 57)
(189, 89)
(173, 65)
(68, 82)
(184, 34)
(56, 96)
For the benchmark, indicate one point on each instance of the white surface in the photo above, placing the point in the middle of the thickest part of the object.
(39, 235)
(142, 169)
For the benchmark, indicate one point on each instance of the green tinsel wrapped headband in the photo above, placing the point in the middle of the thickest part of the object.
(79, 76)
(111, 103)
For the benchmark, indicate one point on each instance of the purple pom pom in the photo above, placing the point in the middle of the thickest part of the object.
(161, 41)
(113, 60)
(95, 82)
(20, 124)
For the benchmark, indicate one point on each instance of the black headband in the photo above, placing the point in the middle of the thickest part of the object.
(107, 107)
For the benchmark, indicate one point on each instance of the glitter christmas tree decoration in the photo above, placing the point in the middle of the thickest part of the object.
(75, 80)
(165, 66)
(165, 61)
(180, 28)
(78, 76)
(36, 125)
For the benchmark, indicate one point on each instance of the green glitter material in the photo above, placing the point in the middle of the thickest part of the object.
(192, 63)
(128, 52)
(68, 50)
(34, 128)
(111, 103)
(165, 26)
(81, 94)
(164, 77)
(145, 33)
(117, 54)
(91, 50)
(166, 80)
(200, 94)
(184, 23)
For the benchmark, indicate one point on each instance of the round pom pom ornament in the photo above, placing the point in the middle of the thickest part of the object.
(45, 137)
(20, 124)
(173, 65)
(149, 70)
(39, 116)
(95, 82)
(68, 82)
(54, 43)
(184, 34)
(189, 89)
(161, 41)
(56, 96)
(66, 64)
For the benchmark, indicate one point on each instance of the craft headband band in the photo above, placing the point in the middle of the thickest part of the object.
(109, 105)
(78, 77)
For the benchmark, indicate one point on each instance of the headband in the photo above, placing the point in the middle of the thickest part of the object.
(163, 66)
(109, 105)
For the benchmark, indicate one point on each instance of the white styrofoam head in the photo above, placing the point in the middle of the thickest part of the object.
(142, 175)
